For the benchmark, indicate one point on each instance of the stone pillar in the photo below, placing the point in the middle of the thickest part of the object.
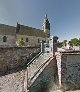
(42, 46)
(26, 80)
(61, 65)
(58, 57)
(51, 45)
(54, 48)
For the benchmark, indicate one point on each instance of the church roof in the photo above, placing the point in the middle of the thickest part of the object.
(31, 31)
(24, 30)
(7, 30)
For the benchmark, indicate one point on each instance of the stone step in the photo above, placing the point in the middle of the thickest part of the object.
(36, 64)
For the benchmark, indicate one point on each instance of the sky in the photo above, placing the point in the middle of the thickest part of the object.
(64, 15)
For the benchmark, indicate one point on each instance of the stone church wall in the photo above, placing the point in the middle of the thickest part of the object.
(10, 41)
(32, 40)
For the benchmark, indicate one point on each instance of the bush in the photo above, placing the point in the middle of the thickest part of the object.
(20, 43)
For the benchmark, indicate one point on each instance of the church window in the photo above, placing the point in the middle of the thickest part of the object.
(26, 39)
(4, 39)
(22, 38)
(38, 41)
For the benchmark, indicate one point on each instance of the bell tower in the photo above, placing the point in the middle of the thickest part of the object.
(46, 26)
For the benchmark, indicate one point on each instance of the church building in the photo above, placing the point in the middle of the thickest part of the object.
(32, 36)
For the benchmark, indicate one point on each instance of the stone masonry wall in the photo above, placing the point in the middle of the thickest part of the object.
(32, 40)
(69, 70)
(72, 71)
(15, 57)
(14, 82)
(10, 41)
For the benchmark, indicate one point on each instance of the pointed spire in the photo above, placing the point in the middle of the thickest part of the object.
(46, 17)
(46, 26)
(17, 23)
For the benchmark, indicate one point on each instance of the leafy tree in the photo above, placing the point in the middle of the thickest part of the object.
(20, 42)
(75, 42)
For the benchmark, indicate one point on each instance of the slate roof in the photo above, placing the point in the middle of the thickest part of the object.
(7, 30)
(24, 30)
(31, 31)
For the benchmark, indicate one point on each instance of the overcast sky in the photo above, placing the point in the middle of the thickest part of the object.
(64, 15)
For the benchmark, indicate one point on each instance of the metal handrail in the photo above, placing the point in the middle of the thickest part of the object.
(34, 59)
(40, 68)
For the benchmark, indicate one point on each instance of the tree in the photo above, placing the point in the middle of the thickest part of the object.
(20, 42)
(75, 42)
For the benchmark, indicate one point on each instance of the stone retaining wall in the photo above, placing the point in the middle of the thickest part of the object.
(14, 57)
(69, 70)
(14, 82)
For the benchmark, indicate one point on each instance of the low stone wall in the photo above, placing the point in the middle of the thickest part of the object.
(14, 57)
(14, 82)
(69, 69)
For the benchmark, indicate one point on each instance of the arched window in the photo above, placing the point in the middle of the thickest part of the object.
(26, 39)
(4, 39)
(38, 41)
(21, 38)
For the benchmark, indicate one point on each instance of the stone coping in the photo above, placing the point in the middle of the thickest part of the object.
(18, 47)
(69, 52)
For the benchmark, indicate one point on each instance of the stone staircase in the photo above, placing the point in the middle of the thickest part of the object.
(36, 66)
